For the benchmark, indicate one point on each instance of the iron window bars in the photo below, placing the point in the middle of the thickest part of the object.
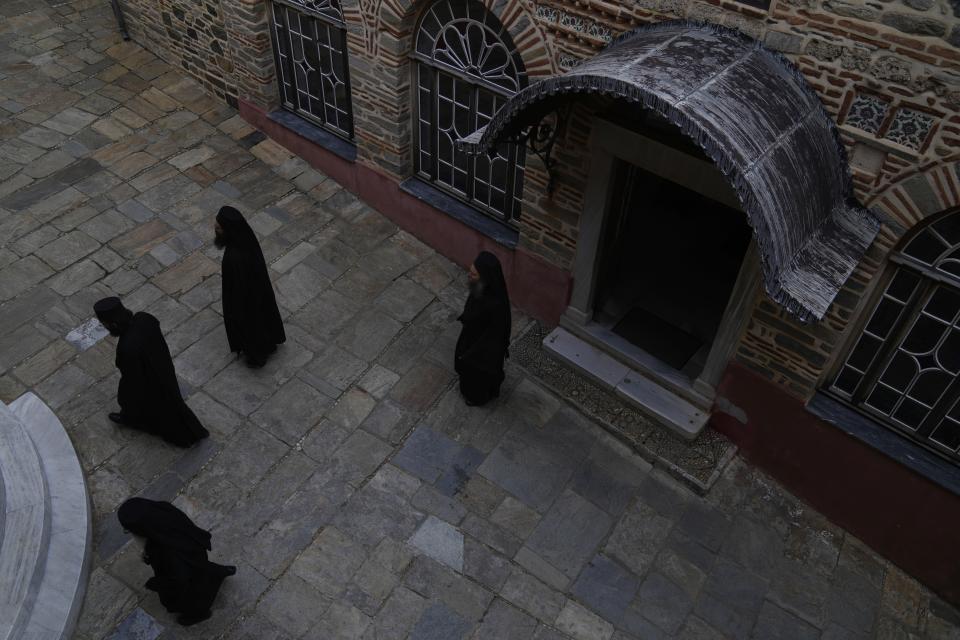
(903, 369)
(467, 68)
(311, 53)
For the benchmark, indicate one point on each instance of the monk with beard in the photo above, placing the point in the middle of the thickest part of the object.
(485, 338)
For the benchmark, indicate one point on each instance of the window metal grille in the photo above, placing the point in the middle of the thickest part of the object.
(310, 43)
(467, 69)
(904, 368)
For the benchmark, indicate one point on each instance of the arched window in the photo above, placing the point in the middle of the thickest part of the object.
(310, 43)
(467, 68)
(903, 369)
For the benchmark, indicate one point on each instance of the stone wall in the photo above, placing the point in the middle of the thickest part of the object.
(887, 71)
(190, 34)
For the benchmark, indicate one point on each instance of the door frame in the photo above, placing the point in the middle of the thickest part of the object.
(609, 143)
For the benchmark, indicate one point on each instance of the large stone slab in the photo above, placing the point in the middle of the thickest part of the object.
(570, 533)
(535, 464)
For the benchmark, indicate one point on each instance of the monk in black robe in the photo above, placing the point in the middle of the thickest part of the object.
(250, 312)
(149, 396)
(176, 549)
(485, 338)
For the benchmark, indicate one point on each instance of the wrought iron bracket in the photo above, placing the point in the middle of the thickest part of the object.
(540, 138)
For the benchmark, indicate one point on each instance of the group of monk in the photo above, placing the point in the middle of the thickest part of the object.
(150, 399)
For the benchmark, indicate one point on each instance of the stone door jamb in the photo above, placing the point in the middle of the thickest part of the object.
(609, 142)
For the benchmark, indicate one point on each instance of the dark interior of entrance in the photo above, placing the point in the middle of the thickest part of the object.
(669, 260)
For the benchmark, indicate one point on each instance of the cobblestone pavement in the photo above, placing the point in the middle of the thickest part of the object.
(356, 493)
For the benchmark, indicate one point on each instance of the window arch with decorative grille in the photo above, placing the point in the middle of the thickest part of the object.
(467, 67)
(310, 47)
(904, 367)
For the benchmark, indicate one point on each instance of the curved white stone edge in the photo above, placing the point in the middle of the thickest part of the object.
(60, 591)
(26, 525)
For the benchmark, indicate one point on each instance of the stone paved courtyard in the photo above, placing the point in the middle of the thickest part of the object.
(358, 496)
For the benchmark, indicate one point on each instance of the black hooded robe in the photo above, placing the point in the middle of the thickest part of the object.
(485, 338)
(250, 313)
(149, 395)
(176, 549)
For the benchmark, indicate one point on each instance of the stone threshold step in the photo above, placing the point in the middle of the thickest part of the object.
(659, 404)
(61, 571)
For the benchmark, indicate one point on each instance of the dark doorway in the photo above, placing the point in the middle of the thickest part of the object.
(669, 260)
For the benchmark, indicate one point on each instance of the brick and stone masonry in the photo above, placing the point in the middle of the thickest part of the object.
(888, 72)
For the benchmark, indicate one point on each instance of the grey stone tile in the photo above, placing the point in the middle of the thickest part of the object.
(549, 633)
(607, 588)
(661, 602)
(329, 562)
(70, 121)
(755, 546)
(106, 601)
(399, 614)
(506, 622)
(294, 525)
(63, 385)
(435, 581)
(581, 624)
(292, 411)
(372, 515)
(697, 629)
(776, 624)
(427, 454)
(491, 535)
(359, 457)
(341, 621)
(664, 495)
(674, 564)
(332, 258)
(429, 500)
(138, 625)
(704, 523)
(852, 600)
(389, 422)
(368, 334)
(205, 358)
(533, 596)
(326, 315)
(439, 622)
(22, 275)
(404, 299)
(515, 517)
(534, 464)
(420, 386)
(292, 604)
(637, 537)
(441, 541)
(731, 599)
(107, 226)
(484, 565)
(351, 409)
(608, 479)
(800, 589)
(378, 381)
(299, 286)
(335, 367)
(569, 533)
(76, 277)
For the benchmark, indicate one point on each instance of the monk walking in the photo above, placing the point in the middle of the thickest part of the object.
(176, 549)
(148, 395)
(250, 313)
(485, 337)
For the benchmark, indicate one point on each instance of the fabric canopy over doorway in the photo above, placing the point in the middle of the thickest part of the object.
(756, 117)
